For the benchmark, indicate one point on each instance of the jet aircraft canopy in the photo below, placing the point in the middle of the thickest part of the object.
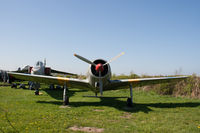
(39, 64)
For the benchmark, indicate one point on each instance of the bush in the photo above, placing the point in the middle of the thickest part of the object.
(189, 87)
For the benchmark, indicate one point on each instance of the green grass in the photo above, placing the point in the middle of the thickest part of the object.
(22, 111)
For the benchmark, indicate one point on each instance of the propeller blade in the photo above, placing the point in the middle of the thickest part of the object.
(100, 84)
(114, 58)
(84, 59)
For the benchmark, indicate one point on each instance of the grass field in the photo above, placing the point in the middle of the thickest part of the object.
(22, 111)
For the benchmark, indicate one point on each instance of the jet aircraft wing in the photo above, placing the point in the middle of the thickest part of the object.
(21, 71)
(125, 83)
(70, 82)
(61, 72)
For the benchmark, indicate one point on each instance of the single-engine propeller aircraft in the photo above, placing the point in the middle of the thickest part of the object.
(98, 79)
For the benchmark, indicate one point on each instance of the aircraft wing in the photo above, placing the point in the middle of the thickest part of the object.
(21, 71)
(56, 71)
(125, 83)
(70, 82)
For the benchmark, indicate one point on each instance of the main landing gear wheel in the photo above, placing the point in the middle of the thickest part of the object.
(129, 102)
(37, 92)
(36, 86)
(66, 101)
(13, 85)
(22, 86)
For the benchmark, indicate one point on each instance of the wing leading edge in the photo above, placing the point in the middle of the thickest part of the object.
(70, 82)
(125, 83)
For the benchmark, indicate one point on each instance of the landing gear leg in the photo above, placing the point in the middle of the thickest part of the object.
(130, 100)
(37, 86)
(65, 97)
(30, 84)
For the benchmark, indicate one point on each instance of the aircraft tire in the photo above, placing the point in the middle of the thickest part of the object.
(129, 102)
(14, 85)
(37, 92)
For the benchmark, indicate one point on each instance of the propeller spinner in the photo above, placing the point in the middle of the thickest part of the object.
(99, 67)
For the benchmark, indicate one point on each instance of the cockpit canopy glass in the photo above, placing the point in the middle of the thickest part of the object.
(39, 64)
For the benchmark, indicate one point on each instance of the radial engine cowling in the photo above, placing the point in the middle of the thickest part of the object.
(94, 74)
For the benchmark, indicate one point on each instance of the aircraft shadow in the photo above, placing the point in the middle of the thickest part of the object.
(58, 93)
(121, 105)
(112, 102)
(137, 107)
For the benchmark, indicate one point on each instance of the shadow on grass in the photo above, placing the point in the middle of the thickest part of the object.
(121, 105)
(113, 102)
(58, 93)
(137, 107)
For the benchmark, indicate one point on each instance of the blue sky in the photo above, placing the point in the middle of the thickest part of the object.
(157, 36)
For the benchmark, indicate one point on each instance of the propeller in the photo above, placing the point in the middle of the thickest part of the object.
(99, 68)
(84, 59)
(114, 58)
